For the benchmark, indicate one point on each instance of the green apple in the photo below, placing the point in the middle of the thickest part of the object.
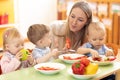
(25, 54)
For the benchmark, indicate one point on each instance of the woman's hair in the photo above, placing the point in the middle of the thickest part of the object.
(82, 33)
(10, 34)
(37, 32)
(96, 27)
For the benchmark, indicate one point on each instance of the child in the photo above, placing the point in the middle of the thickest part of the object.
(39, 34)
(96, 46)
(12, 44)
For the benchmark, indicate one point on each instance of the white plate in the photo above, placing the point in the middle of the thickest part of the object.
(57, 66)
(102, 62)
(72, 56)
(85, 77)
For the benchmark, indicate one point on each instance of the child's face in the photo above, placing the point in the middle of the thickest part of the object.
(45, 41)
(15, 45)
(96, 39)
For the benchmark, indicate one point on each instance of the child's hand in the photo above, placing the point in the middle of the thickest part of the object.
(18, 55)
(109, 53)
(30, 59)
(55, 52)
(94, 53)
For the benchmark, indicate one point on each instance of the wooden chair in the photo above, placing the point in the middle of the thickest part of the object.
(0, 65)
(114, 47)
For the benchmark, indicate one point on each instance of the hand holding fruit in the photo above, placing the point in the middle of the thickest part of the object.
(18, 56)
(25, 54)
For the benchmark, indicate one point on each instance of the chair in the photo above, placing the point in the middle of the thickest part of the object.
(114, 47)
(0, 65)
(0, 70)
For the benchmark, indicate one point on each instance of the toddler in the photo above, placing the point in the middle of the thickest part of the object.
(39, 34)
(12, 44)
(96, 35)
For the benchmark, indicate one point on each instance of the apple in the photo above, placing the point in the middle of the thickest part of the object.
(25, 54)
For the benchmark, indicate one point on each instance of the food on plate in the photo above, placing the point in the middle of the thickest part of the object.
(91, 69)
(97, 58)
(68, 43)
(110, 58)
(25, 54)
(84, 67)
(78, 68)
(47, 68)
(104, 58)
(73, 58)
(85, 61)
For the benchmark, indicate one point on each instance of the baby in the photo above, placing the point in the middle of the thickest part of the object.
(95, 46)
(13, 43)
(39, 34)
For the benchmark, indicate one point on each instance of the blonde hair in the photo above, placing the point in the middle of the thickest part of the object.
(10, 34)
(96, 27)
(37, 32)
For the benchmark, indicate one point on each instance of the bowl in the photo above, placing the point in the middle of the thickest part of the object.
(104, 60)
(71, 58)
(85, 77)
(49, 68)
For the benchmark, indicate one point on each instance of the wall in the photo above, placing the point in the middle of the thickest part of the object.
(7, 6)
(34, 11)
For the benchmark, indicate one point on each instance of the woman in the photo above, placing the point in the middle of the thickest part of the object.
(75, 29)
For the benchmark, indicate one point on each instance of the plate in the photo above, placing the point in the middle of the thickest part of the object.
(71, 58)
(49, 68)
(85, 77)
(103, 60)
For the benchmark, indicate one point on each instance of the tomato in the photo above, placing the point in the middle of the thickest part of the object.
(111, 58)
(85, 61)
(68, 43)
(78, 68)
(91, 68)
(97, 58)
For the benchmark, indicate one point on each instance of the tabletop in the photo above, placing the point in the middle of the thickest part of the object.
(32, 74)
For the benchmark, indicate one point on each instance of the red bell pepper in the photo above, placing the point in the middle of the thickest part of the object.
(78, 68)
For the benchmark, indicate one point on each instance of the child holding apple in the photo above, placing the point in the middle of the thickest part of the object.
(13, 43)
(39, 34)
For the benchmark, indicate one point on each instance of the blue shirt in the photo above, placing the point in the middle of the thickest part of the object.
(38, 52)
(101, 51)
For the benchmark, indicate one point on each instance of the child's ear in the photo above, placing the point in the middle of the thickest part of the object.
(40, 41)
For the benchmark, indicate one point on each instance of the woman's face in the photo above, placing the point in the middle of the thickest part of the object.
(77, 20)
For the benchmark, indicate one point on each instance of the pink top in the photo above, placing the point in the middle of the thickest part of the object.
(10, 63)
